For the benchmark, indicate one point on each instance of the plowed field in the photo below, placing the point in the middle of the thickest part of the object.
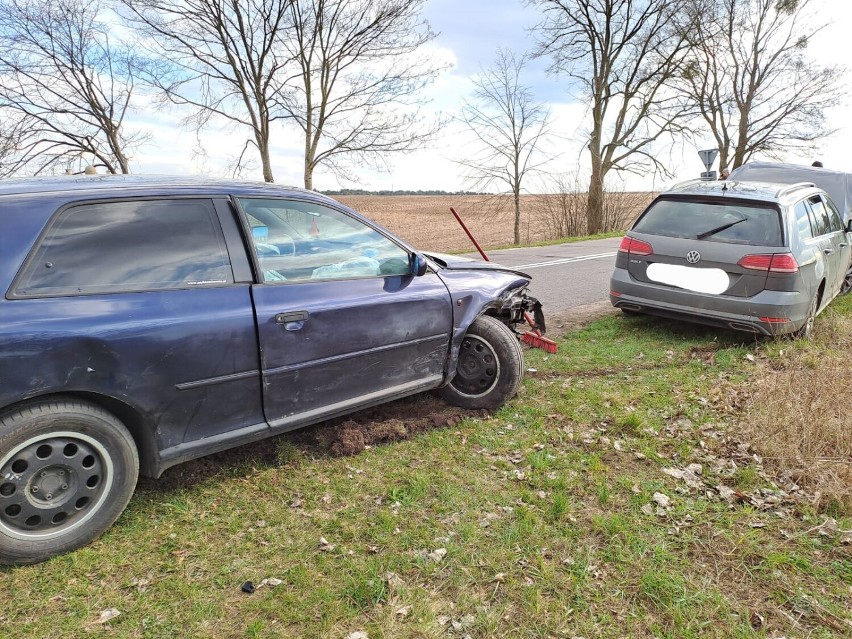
(425, 221)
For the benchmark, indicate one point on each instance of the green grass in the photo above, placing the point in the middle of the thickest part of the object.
(542, 509)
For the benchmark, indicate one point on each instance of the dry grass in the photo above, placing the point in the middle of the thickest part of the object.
(797, 416)
(425, 221)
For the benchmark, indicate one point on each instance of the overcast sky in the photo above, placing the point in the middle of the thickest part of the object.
(469, 33)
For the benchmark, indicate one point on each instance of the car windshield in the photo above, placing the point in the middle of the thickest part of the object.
(728, 221)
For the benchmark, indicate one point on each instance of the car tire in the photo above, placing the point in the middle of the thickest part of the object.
(67, 471)
(490, 366)
(807, 329)
(847, 283)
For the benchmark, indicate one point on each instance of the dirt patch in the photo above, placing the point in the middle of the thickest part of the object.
(558, 324)
(386, 423)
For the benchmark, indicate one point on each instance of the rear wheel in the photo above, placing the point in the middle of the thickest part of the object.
(847, 283)
(490, 366)
(807, 329)
(67, 471)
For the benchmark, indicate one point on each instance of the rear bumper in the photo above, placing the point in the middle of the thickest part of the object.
(737, 313)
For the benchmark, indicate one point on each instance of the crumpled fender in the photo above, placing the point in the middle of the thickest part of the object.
(476, 291)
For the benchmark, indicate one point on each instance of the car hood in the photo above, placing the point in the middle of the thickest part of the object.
(459, 263)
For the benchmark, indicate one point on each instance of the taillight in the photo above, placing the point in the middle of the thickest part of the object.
(772, 262)
(634, 246)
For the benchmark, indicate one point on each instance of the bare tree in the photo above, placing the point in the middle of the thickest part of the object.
(358, 67)
(564, 208)
(624, 55)
(11, 130)
(224, 60)
(748, 73)
(62, 75)
(508, 125)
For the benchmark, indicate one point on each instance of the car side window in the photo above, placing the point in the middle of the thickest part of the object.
(803, 220)
(129, 246)
(823, 225)
(833, 216)
(304, 241)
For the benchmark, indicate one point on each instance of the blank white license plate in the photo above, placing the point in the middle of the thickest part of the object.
(700, 280)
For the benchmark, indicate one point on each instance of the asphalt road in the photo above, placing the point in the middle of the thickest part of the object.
(564, 275)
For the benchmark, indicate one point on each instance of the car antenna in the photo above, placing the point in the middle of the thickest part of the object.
(724, 187)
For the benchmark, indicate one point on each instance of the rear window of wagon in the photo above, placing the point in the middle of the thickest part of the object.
(729, 221)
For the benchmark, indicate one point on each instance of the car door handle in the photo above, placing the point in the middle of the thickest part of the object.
(293, 320)
(843, 245)
(828, 251)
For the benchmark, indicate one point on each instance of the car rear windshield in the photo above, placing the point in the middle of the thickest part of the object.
(727, 221)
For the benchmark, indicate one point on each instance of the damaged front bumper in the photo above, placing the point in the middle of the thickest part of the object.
(519, 307)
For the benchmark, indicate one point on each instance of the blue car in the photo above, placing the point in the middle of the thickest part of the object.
(146, 322)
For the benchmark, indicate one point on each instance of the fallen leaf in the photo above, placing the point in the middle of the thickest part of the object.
(393, 580)
(108, 614)
(325, 546)
(438, 555)
(663, 500)
(828, 528)
(725, 493)
(270, 581)
(358, 634)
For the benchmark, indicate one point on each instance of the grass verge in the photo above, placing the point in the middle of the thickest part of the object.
(619, 495)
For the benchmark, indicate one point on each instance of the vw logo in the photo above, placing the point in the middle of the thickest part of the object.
(693, 257)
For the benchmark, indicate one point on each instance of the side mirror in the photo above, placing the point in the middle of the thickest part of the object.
(418, 264)
(848, 228)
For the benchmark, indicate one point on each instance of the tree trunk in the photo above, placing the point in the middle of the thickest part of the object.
(594, 207)
(309, 175)
(266, 163)
(517, 216)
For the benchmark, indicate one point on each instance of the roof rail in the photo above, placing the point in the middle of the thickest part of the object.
(785, 190)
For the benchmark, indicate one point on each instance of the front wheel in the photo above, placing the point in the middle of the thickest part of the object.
(489, 369)
(67, 471)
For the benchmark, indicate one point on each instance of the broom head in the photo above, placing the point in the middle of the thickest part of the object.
(537, 341)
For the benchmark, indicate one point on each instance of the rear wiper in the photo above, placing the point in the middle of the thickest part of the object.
(718, 229)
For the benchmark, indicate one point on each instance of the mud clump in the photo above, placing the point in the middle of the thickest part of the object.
(351, 437)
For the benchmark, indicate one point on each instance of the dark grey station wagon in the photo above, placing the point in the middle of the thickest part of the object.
(755, 257)
(148, 321)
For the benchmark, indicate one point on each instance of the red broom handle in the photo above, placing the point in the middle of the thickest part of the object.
(470, 235)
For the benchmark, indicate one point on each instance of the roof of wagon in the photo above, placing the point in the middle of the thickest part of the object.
(759, 191)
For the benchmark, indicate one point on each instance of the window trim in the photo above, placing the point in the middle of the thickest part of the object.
(808, 215)
(13, 294)
(332, 205)
(833, 213)
(827, 218)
